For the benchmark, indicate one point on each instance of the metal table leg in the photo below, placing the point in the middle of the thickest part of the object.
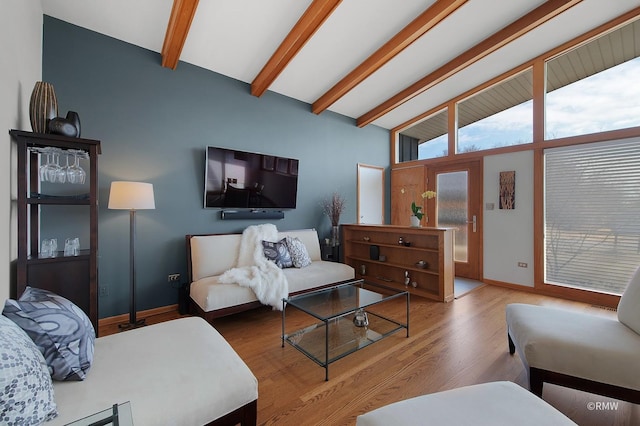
(283, 318)
(326, 351)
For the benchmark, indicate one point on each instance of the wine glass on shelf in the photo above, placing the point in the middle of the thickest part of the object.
(75, 173)
(71, 172)
(44, 168)
(54, 167)
(61, 173)
(83, 174)
(70, 169)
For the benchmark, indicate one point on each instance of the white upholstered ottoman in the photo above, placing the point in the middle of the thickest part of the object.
(496, 403)
(180, 372)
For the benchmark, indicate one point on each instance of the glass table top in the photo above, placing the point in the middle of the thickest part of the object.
(335, 301)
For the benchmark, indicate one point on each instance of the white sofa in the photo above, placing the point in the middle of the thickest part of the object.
(180, 372)
(495, 403)
(210, 255)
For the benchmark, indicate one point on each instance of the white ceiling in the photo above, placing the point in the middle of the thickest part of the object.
(237, 37)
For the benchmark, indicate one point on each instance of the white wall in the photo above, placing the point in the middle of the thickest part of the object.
(508, 234)
(20, 68)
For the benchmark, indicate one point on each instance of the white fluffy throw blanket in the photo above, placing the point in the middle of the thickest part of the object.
(255, 271)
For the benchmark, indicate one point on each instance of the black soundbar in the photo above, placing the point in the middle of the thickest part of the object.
(251, 214)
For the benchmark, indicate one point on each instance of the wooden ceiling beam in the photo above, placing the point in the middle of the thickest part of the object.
(433, 15)
(315, 15)
(528, 22)
(182, 14)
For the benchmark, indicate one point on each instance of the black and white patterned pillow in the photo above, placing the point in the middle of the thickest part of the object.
(298, 252)
(60, 329)
(277, 253)
(26, 390)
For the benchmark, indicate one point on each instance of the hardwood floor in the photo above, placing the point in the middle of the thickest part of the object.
(450, 345)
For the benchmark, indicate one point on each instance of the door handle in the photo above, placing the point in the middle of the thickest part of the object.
(474, 221)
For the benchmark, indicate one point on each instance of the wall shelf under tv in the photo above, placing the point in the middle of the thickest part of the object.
(251, 214)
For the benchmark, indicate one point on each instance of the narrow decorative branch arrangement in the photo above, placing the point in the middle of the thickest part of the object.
(333, 207)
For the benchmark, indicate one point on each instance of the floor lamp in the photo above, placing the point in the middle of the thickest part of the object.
(132, 196)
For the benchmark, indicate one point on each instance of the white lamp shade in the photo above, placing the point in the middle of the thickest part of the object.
(131, 196)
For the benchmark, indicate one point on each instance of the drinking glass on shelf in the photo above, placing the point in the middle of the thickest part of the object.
(54, 247)
(45, 250)
(72, 246)
(49, 248)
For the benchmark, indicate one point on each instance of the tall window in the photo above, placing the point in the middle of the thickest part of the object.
(595, 87)
(592, 211)
(501, 115)
(429, 138)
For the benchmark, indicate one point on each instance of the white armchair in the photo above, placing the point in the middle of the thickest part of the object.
(581, 351)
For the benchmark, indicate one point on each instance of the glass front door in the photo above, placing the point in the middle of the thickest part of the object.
(453, 205)
(459, 206)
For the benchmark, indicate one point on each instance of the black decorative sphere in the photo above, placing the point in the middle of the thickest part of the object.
(74, 119)
(62, 126)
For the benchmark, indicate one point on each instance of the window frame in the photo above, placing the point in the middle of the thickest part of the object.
(537, 147)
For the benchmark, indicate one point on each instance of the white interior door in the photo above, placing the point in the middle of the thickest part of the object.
(370, 195)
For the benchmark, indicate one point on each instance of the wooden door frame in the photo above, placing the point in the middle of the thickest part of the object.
(476, 189)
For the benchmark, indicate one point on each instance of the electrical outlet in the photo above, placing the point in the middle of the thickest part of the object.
(173, 278)
(523, 265)
(104, 291)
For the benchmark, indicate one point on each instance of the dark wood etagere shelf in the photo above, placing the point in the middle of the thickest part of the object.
(391, 262)
(73, 277)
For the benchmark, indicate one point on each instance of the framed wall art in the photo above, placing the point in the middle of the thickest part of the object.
(508, 190)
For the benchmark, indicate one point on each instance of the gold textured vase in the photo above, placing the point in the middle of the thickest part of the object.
(43, 106)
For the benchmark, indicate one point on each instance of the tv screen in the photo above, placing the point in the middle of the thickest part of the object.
(238, 179)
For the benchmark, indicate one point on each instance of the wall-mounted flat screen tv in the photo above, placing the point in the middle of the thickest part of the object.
(239, 179)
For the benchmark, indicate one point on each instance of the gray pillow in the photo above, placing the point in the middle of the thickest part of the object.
(298, 252)
(26, 391)
(277, 253)
(60, 329)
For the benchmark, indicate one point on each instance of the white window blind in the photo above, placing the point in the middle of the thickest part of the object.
(592, 215)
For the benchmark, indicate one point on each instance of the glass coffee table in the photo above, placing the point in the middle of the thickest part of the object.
(350, 315)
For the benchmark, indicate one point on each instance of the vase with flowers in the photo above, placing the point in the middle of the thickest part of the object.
(416, 210)
(333, 207)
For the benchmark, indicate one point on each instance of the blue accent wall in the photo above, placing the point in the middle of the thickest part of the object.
(154, 124)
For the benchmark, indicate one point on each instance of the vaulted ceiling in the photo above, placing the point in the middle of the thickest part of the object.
(377, 61)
